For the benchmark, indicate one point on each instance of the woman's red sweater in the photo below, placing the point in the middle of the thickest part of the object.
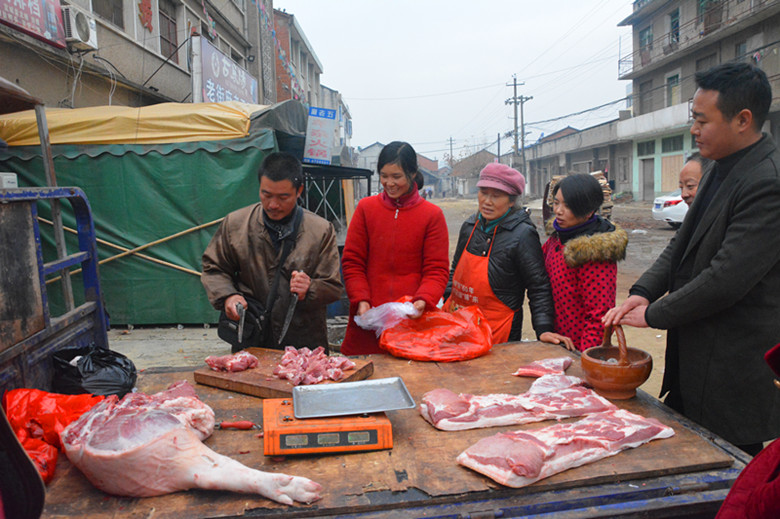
(394, 248)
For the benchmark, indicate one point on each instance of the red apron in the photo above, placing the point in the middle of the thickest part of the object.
(470, 286)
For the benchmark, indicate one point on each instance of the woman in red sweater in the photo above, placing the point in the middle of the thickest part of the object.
(397, 245)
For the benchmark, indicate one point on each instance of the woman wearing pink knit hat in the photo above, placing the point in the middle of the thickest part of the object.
(499, 258)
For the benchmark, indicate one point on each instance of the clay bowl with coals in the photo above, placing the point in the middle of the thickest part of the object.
(616, 372)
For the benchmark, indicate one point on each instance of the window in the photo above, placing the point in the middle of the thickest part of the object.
(646, 97)
(704, 7)
(645, 148)
(674, 27)
(740, 50)
(110, 10)
(673, 90)
(646, 38)
(706, 62)
(168, 41)
(670, 144)
(693, 143)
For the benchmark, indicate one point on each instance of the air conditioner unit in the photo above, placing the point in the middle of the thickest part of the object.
(80, 28)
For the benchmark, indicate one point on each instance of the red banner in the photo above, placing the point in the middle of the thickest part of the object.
(41, 19)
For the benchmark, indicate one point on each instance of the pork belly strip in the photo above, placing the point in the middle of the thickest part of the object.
(519, 458)
(449, 411)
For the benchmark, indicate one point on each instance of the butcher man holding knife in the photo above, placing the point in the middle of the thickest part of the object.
(244, 254)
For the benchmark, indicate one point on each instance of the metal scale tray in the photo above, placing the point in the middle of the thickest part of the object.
(351, 398)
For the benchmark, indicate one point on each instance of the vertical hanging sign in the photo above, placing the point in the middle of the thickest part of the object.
(319, 135)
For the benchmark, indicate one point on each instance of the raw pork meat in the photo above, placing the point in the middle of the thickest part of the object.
(305, 366)
(148, 445)
(240, 361)
(538, 368)
(448, 411)
(519, 458)
(549, 383)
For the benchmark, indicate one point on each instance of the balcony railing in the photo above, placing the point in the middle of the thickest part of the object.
(717, 15)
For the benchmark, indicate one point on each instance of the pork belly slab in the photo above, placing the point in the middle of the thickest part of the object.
(519, 458)
(450, 411)
(149, 445)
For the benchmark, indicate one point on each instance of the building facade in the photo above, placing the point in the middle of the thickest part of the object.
(672, 40)
(298, 74)
(136, 53)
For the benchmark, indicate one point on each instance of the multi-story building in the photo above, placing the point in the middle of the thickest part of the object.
(135, 53)
(342, 132)
(672, 40)
(298, 74)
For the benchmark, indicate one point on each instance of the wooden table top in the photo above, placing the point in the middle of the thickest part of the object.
(421, 467)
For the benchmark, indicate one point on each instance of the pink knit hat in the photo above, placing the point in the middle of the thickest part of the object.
(502, 177)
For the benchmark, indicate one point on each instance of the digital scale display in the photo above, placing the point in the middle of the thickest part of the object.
(328, 439)
(285, 434)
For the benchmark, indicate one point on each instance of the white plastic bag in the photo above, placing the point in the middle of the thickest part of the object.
(385, 316)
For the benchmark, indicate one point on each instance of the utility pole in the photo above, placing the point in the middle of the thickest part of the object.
(519, 133)
(498, 143)
(523, 99)
(451, 161)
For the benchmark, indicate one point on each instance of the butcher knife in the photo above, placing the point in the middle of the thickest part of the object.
(288, 317)
(241, 318)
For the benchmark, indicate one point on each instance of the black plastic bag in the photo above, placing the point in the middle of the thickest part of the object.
(98, 371)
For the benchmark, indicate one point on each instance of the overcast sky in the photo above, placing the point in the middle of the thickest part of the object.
(425, 71)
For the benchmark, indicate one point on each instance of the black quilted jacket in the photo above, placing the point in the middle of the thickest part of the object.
(516, 265)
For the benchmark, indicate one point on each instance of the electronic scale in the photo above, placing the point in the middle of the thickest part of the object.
(283, 434)
(342, 417)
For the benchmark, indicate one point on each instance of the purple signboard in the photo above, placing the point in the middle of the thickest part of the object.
(223, 79)
(41, 19)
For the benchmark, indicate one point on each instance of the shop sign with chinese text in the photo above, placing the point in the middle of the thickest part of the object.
(223, 79)
(319, 135)
(40, 19)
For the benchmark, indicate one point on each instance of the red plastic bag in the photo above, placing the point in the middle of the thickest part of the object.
(38, 417)
(440, 336)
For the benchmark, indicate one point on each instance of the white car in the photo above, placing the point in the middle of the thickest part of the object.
(670, 208)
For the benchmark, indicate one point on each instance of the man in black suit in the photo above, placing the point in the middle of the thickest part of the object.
(722, 269)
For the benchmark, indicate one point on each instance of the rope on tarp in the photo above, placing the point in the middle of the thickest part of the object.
(125, 249)
(134, 251)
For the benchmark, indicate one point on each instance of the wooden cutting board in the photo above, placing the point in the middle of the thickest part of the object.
(261, 382)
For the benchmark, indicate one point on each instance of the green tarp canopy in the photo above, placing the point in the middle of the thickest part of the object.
(166, 199)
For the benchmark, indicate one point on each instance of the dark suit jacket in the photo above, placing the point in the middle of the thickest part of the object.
(723, 306)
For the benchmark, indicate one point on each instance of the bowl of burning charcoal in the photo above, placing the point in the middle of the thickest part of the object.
(615, 372)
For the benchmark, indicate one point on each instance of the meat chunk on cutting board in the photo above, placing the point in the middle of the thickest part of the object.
(148, 445)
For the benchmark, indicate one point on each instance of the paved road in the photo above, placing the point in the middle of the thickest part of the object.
(173, 345)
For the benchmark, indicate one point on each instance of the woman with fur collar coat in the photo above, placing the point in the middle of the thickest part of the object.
(581, 259)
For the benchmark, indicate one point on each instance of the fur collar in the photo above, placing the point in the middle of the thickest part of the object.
(605, 246)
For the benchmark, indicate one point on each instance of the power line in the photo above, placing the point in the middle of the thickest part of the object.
(422, 95)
